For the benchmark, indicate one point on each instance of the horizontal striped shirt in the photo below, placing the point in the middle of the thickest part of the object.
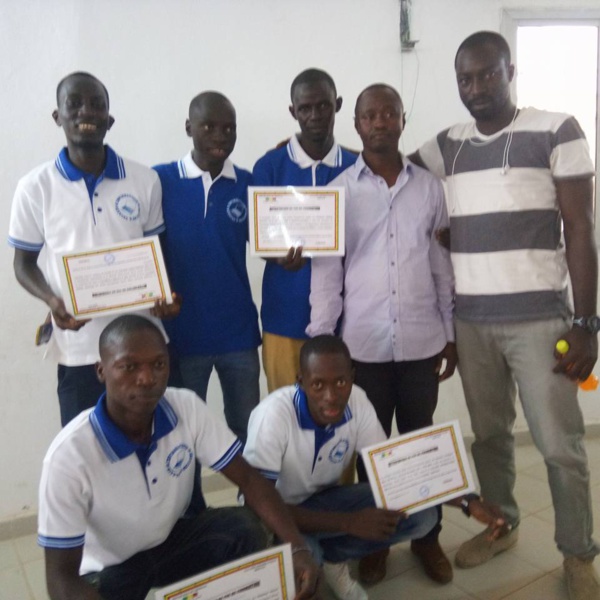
(508, 249)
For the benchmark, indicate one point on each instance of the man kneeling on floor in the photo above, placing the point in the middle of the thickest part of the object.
(118, 478)
(302, 437)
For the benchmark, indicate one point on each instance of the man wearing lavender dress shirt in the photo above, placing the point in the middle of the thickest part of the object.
(394, 287)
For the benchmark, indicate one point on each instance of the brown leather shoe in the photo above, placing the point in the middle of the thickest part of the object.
(372, 568)
(436, 564)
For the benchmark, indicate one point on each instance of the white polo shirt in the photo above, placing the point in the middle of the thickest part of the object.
(61, 209)
(287, 446)
(95, 493)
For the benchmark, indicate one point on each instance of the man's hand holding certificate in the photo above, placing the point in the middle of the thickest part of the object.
(117, 279)
(425, 468)
(281, 218)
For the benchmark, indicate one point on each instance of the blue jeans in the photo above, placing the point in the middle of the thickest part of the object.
(213, 538)
(238, 374)
(78, 389)
(496, 359)
(340, 547)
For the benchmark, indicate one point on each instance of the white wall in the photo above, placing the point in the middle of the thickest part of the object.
(154, 56)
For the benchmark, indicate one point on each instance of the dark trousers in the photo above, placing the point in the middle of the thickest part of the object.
(408, 390)
(215, 537)
(78, 389)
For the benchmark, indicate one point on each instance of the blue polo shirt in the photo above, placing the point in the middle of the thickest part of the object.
(205, 254)
(285, 307)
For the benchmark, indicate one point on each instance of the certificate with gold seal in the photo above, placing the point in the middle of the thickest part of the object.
(281, 218)
(114, 279)
(265, 575)
(420, 469)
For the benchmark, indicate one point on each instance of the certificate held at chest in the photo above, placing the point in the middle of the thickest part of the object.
(286, 217)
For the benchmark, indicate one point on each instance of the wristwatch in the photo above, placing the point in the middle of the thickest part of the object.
(465, 500)
(590, 324)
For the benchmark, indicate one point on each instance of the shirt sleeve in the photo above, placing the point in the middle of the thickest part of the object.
(63, 509)
(262, 174)
(26, 229)
(570, 157)
(216, 445)
(267, 439)
(441, 264)
(431, 155)
(326, 302)
(369, 428)
(155, 223)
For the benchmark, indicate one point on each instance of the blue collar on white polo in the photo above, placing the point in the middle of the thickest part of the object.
(115, 443)
(305, 420)
(114, 169)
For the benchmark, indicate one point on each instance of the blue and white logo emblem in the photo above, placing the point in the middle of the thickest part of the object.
(179, 460)
(236, 210)
(339, 451)
(128, 207)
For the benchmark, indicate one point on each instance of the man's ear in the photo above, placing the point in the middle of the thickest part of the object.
(338, 104)
(56, 117)
(299, 379)
(403, 119)
(100, 372)
(353, 374)
(292, 111)
(111, 121)
(188, 128)
(511, 72)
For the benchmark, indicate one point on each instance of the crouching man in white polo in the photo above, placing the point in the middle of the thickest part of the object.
(303, 437)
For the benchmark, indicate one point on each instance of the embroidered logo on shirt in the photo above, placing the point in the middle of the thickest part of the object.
(179, 459)
(236, 210)
(128, 207)
(339, 451)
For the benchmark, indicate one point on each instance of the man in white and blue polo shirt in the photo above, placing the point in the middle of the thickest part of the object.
(88, 197)
(303, 437)
(118, 478)
(206, 215)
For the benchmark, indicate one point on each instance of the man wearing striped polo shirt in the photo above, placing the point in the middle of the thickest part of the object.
(521, 223)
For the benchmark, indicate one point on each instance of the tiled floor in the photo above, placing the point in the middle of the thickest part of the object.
(532, 570)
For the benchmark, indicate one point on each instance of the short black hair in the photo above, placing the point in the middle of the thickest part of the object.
(124, 326)
(324, 344)
(64, 80)
(481, 38)
(208, 98)
(312, 76)
(378, 86)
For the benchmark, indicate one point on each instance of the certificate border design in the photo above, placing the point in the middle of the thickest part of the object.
(113, 307)
(429, 499)
(304, 191)
(200, 582)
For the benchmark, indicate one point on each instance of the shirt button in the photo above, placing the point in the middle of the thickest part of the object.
(149, 463)
(391, 235)
(320, 458)
(99, 209)
(154, 480)
(393, 291)
(393, 264)
(96, 194)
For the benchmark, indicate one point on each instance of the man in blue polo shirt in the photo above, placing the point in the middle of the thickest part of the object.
(87, 198)
(310, 158)
(205, 209)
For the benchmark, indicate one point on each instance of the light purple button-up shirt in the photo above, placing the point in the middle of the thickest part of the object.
(395, 287)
